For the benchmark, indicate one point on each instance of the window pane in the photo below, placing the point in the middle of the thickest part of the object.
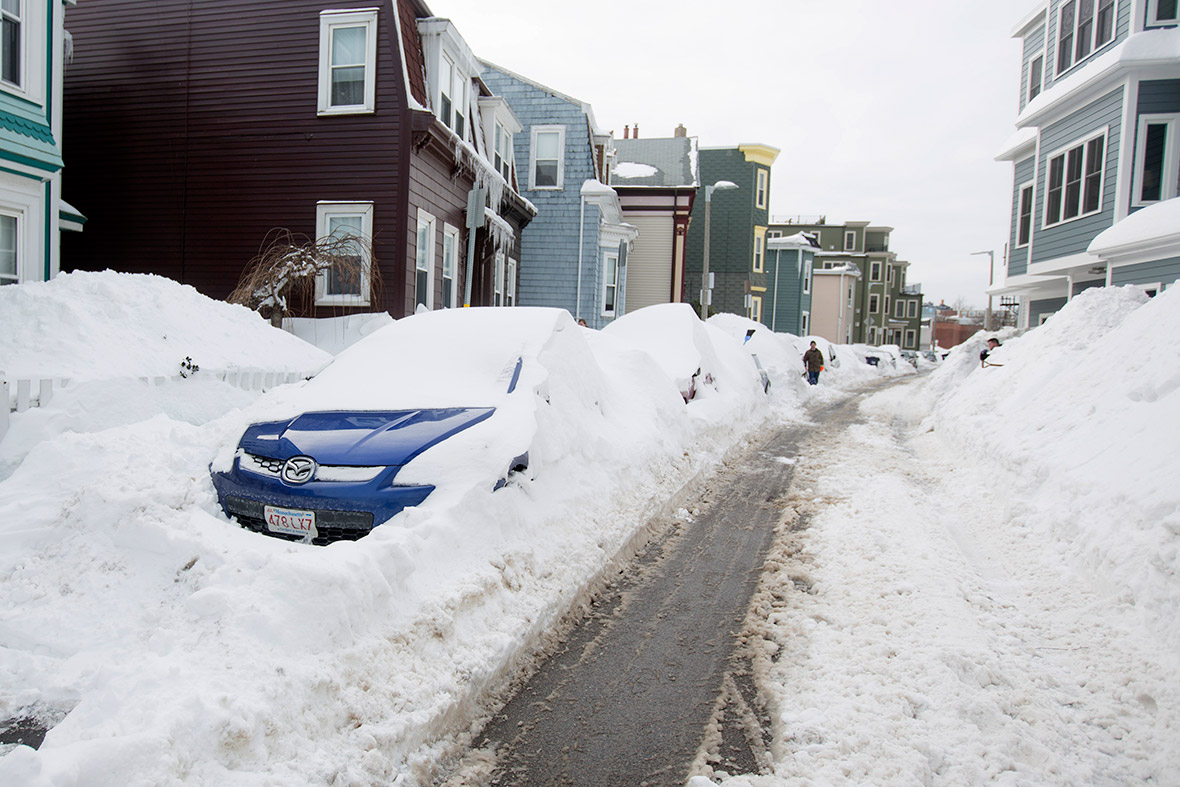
(1165, 10)
(1091, 201)
(1056, 180)
(11, 7)
(1153, 162)
(1023, 233)
(348, 46)
(546, 173)
(1073, 183)
(8, 263)
(1085, 27)
(1065, 38)
(1105, 25)
(348, 86)
(1036, 77)
(547, 145)
(342, 281)
(10, 51)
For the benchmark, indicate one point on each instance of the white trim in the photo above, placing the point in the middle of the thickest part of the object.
(329, 21)
(325, 210)
(1031, 185)
(498, 279)
(761, 188)
(452, 232)
(610, 262)
(1170, 173)
(759, 263)
(849, 240)
(1062, 153)
(1153, 15)
(33, 55)
(534, 132)
(425, 258)
(510, 284)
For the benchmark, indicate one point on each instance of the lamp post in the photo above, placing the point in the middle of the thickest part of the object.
(991, 274)
(721, 185)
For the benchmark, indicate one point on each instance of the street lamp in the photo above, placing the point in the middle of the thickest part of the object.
(991, 275)
(721, 185)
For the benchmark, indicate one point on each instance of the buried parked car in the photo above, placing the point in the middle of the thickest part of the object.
(353, 447)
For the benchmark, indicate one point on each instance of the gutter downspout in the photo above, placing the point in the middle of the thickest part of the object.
(581, 243)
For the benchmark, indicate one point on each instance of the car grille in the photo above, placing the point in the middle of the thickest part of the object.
(330, 525)
(263, 465)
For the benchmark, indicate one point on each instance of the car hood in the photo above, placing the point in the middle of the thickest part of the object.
(360, 437)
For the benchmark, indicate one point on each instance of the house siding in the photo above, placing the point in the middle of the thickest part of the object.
(1072, 237)
(733, 218)
(649, 268)
(1047, 306)
(1034, 45)
(1018, 257)
(1155, 272)
(223, 103)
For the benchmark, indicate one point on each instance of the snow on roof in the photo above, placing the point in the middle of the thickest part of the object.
(1152, 228)
(1021, 139)
(633, 169)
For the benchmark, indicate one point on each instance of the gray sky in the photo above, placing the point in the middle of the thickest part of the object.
(889, 111)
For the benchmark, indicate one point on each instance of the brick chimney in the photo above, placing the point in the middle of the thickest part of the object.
(680, 131)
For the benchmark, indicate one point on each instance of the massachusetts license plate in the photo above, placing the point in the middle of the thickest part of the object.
(290, 521)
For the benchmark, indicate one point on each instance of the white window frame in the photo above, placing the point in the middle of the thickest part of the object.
(849, 240)
(762, 184)
(1078, 39)
(1169, 173)
(899, 309)
(885, 310)
(807, 271)
(1063, 153)
(912, 311)
(875, 271)
(425, 257)
(1029, 189)
(911, 339)
(805, 323)
(31, 61)
(18, 218)
(325, 211)
(1153, 15)
(510, 284)
(874, 303)
(759, 252)
(756, 308)
(329, 21)
(535, 132)
(502, 151)
(17, 18)
(451, 233)
(498, 279)
(610, 262)
(1035, 86)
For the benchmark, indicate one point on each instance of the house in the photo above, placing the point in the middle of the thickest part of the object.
(33, 49)
(656, 180)
(1095, 157)
(885, 308)
(575, 253)
(790, 266)
(203, 129)
(834, 314)
(737, 242)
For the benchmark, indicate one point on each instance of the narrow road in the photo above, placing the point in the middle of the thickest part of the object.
(656, 670)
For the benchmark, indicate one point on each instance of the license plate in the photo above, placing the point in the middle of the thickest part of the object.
(290, 521)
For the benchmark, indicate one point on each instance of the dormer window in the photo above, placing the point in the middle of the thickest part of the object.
(452, 102)
(10, 41)
(502, 154)
(348, 62)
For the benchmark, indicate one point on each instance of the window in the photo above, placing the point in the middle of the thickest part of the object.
(610, 283)
(1024, 217)
(424, 261)
(899, 309)
(892, 275)
(774, 234)
(887, 299)
(498, 281)
(547, 160)
(351, 221)
(450, 264)
(9, 245)
(875, 302)
(911, 339)
(11, 54)
(913, 309)
(756, 308)
(1084, 26)
(806, 277)
(1155, 159)
(1036, 76)
(452, 96)
(1162, 11)
(806, 324)
(849, 241)
(758, 251)
(502, 151)
(1075, 182)
(510, 286)
(763, 178)
(875, 272)
(348, 54)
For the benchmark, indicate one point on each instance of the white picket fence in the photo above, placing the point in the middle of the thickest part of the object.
(21, 394)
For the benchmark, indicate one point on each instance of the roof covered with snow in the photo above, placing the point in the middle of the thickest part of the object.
(665, 162)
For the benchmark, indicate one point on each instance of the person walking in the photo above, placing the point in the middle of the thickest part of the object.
(813, 361)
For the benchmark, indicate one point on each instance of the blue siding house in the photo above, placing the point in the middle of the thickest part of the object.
(789, 265)
(1096, 154)
(32, 54)
(574, 253)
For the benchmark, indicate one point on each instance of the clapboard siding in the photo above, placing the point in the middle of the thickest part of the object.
(1034, 47)
(1155, 272)
(193, 133)
(1018, 257)
(649, 267)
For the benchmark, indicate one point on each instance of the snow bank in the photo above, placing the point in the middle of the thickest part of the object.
(1084, 408)
(88, 326)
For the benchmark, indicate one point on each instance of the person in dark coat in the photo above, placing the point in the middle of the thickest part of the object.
(992, 344)
(813, 360)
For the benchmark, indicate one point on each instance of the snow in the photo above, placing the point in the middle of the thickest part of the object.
(1155, 225)
(991, 560)
(634, 169)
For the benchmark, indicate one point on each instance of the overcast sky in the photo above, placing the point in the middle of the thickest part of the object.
(889, 111)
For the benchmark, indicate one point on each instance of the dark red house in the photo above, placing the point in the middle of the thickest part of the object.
(198, 128)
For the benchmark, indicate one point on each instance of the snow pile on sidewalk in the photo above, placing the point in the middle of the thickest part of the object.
(1084, 409)
(88, 326)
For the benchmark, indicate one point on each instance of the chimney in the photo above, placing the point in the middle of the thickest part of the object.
(636, 131)
(627, 132)
(680, 131)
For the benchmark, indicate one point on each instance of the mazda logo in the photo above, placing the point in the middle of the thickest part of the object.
(298, 469)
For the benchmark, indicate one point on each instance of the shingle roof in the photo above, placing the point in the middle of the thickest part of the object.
(672, 157)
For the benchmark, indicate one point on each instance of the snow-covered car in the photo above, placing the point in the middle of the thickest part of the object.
(353, 446)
